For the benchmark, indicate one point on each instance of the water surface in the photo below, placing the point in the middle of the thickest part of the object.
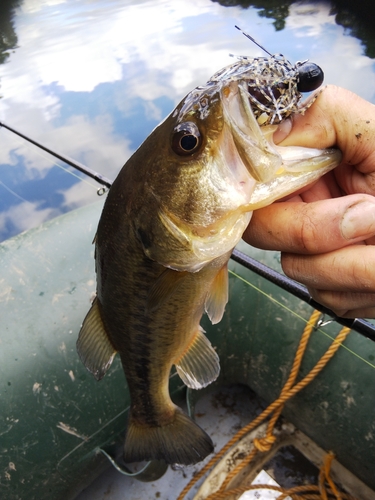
(92, 78)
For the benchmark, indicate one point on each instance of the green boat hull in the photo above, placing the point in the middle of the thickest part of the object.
(55, 417)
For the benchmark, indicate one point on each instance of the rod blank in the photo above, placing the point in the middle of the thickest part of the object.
(75, 164)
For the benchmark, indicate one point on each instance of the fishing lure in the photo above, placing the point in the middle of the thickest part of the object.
(276, 84)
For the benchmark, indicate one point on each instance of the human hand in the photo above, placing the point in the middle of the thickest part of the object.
(326, 233)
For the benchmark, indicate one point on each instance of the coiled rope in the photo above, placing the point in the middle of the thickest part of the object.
(290, 389)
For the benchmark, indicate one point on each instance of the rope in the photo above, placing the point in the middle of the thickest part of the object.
(264, 444)
(324, 475)
(304, 492)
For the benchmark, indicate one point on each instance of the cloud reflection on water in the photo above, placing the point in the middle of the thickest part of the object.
(91, 79)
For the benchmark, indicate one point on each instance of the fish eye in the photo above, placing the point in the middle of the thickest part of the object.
(311, 77)
(186, 139)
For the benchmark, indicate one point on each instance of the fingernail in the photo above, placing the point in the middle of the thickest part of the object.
(359, 221)
(283, 130)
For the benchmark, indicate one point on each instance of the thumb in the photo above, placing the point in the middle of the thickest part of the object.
(337, 118)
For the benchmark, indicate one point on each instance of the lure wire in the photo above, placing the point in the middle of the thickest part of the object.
(253, 40)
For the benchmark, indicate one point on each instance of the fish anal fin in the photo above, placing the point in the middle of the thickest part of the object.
(93, 345)
(181, 441)
(217, 296)
(200, 365)
(164, 287)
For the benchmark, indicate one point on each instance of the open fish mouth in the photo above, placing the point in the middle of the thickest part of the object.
(278, 170)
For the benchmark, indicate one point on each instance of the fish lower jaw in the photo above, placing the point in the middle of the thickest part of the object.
(283, 185)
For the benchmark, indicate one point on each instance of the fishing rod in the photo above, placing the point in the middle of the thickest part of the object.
(75, 164)
(300, 291)
(361, 326)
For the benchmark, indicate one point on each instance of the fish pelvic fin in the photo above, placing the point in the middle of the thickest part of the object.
(181, 441)
(200, 365)
(217, 297)
(93, 345)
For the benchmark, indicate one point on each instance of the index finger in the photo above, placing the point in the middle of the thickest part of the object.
(338, 118)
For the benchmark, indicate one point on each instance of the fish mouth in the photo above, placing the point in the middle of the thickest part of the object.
(277, 170)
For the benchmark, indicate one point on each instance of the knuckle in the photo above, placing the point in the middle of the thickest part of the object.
(291, 265)
(307, 230)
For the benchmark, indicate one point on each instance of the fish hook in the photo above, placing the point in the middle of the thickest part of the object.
(152, 471)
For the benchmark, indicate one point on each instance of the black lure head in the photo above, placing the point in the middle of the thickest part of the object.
(275, 90)
(311, 76)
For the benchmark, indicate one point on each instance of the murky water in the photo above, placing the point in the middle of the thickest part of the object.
(92, 78)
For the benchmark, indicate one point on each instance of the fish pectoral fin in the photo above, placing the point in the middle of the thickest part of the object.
(93, 345)
(217, 297)
(200, 365)
(164, 287)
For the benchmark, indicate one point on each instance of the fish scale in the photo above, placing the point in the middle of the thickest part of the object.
(170, 221)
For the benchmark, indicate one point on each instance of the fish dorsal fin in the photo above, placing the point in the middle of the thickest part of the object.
(200, 365)
(93, 345)
(164, 287)
(217, 296)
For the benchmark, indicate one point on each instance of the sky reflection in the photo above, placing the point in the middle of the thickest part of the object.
(92, 78)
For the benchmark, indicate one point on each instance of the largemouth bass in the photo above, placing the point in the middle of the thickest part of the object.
(169, 224)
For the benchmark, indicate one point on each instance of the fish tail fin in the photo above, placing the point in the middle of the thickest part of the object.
(181, 441)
